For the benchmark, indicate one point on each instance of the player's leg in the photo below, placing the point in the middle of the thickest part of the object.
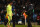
(8, 21)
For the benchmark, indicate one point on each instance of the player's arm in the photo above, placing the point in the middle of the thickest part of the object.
(7, 10)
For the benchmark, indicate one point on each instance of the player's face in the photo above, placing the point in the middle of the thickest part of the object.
(11, 3)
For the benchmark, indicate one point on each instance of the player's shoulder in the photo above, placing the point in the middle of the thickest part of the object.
(8, 5)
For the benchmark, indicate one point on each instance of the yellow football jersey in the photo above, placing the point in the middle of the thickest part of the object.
(9, 9)
(9, 12)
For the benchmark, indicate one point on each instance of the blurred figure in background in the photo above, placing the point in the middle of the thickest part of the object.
(38, 19)
(14, 17)
(29, 12)
(34, 17)
(14, 12)
(2, 15)
(5, 18)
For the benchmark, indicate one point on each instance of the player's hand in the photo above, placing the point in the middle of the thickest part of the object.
(12, 14)
(7, 14)
(0, 19)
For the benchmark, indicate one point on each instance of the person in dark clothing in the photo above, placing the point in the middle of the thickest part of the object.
(13, 18)
(2, 15)
(29, 15)
(29, 22)
(5, 19)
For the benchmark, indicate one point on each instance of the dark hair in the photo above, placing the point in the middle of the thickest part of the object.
(10, 1)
